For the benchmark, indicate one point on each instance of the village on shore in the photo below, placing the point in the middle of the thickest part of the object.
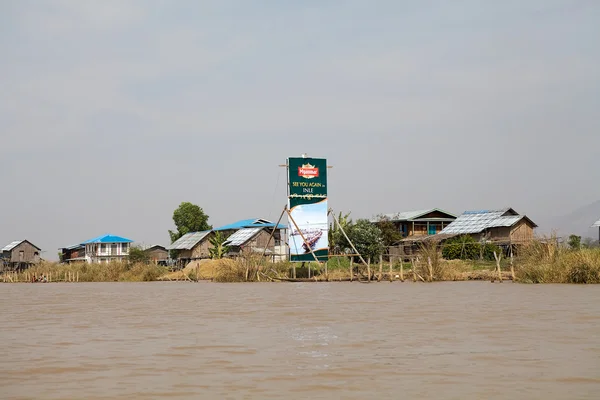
(505, 228)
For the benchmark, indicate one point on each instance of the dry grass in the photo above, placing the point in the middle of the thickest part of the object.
(111, 272)
(544, 261)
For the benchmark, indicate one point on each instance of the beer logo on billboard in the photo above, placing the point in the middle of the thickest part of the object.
(308, 171)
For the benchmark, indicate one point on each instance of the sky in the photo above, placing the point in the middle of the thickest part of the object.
(112, 113)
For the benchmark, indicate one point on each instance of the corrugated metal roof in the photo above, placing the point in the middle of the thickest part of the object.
(242, 236)
(250, 223)
(410, 215)
(12, 245)
(188, 241)
(71, 247)
(596, 224)
(108, 238)
(478, 221)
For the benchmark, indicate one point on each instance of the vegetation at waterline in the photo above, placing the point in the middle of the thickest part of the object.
(545, 261)
(84, 272)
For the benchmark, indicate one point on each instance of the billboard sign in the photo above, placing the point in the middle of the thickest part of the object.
(307, 202)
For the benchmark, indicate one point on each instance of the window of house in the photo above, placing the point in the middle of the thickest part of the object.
(113, 248)
(124, 247)
(102, 248)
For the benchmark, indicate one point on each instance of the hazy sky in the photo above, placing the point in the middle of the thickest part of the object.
(114, 112)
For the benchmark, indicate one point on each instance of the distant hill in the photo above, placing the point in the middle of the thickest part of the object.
(577, 222)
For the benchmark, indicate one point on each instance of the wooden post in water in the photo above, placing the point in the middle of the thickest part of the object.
(380, 268)
(401, 270)
(512, 267)
(414, 272)
(77, 276)
(326, 273)
(351, 269)
(391, 268)
(498, 258)
(430, 269)
(369, 269)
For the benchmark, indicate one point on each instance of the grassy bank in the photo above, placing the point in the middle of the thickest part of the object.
(540, 262)
(84, 272)
(545, 262)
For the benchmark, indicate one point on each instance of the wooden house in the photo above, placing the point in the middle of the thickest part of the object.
(255, 240)
(19, 254)
(260, 230)
(419, 223)
(75, 253)
(503, 227)
(191, 246)
(157, 254)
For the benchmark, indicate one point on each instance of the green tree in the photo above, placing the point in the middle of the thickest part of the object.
(336, 237)
(389, 232)
(218, 249)
(137, 255)
(574, 242)
(366, 238)
(188, 218)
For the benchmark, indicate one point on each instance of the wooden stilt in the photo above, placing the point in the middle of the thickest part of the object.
(498, 258)
(512, 267)
(351, 269)
(414, 272)
(401, 270)
(391, 268)
(430, 265)
(326, 273)
(380, 268)
(369, 269)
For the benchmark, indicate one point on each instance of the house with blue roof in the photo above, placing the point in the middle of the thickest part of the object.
(255, 235)
(101, 249)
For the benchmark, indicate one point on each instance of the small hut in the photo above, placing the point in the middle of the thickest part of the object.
(158, 254)
(19, 254)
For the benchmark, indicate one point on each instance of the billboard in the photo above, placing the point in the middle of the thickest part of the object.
(307, 202)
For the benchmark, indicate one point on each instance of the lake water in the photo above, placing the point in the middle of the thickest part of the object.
(455, 340)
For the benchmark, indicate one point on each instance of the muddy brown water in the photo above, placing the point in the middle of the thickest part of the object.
(455, 340)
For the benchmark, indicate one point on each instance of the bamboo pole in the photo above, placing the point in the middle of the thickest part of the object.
(346, 236)
(414, 272)
(512, 267)
(369, 269)
(326, 273)
(498, 258)
(380, 268)
(273, 232)
(401, 270)
(77, 276)
(430, 265)
(351, 269)
(391, 267)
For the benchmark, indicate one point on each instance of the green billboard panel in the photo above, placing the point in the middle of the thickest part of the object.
(307, 202)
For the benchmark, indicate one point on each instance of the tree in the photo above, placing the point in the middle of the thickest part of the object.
(188, 218)
(336, 237)
(137, 255)
(389, 232)
(366, 238)
(574, 242)
(218, 250)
